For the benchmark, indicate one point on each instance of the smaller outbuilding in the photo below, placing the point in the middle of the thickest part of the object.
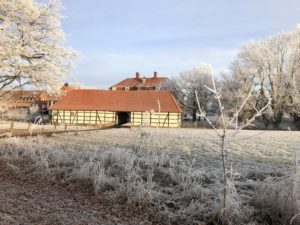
(22, 99)
(107, 107)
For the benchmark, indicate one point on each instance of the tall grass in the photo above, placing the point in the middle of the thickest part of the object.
(169, 183)
(164, 182)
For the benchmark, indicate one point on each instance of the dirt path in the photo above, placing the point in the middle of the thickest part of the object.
(28, 201)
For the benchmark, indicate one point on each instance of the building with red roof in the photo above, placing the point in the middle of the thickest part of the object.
(26, 99)
(142, 83)
(101, 107)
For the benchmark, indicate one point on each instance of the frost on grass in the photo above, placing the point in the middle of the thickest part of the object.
(172, 173)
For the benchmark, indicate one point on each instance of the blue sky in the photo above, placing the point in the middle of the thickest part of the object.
(117, 38)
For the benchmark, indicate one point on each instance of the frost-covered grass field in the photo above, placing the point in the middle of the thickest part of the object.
(171, 175)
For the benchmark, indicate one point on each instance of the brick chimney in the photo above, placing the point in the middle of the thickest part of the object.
(155, 75)
(137, 75)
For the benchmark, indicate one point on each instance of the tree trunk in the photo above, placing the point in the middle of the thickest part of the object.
(224, 164)
(194, 114)
(296, 119)
(277, 119)
(266, 121)
(277, 113)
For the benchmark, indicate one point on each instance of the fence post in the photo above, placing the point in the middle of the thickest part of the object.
(11, 126)
(30, 128)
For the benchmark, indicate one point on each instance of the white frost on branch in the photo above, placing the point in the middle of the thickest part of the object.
(33, 48)
(190, 82)
(273, 66)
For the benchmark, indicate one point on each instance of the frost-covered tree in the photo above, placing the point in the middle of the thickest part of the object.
(234, 90)
(273, 66)
(33, 48)
(190, 82)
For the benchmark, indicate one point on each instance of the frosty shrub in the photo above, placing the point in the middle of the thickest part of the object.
(274, 201)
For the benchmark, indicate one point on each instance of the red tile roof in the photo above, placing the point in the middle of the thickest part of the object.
(138, 82)
(21, 94)
(26, 95)
(118, 101)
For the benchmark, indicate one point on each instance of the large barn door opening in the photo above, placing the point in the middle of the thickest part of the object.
(123, 117)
